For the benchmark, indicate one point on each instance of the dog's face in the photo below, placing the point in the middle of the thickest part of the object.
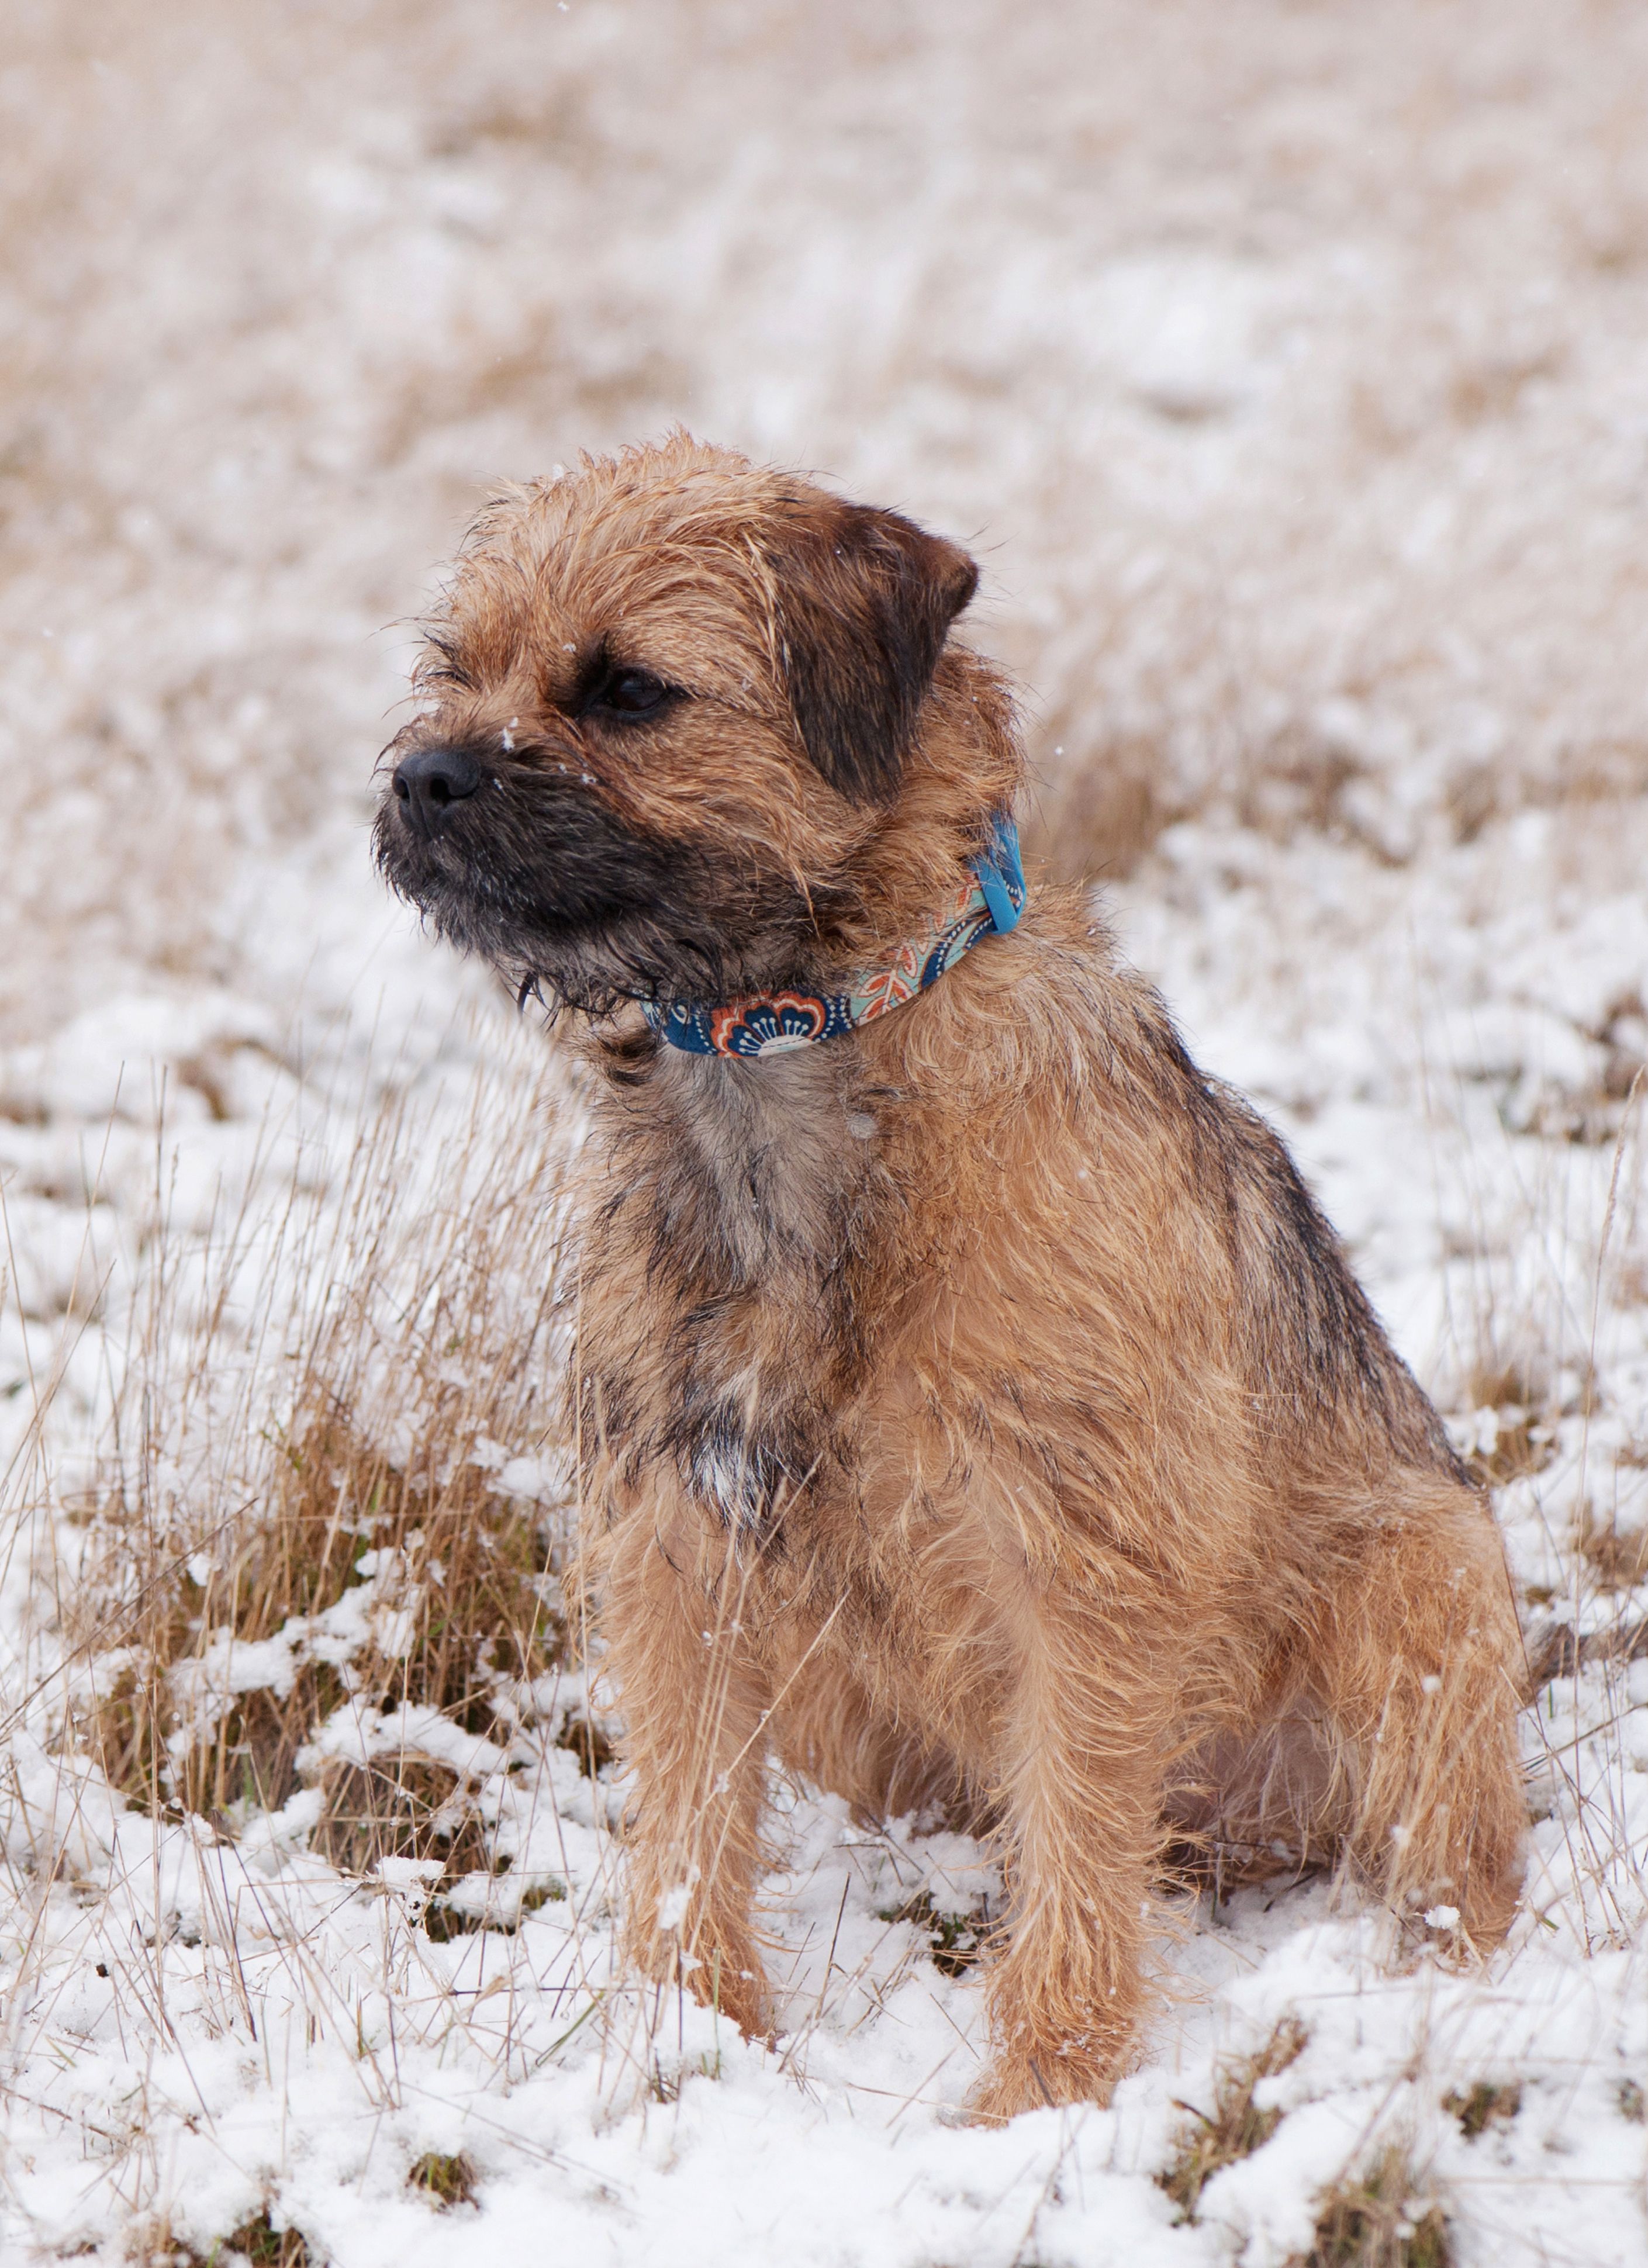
(667, 701)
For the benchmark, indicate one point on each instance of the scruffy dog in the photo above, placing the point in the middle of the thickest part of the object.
(974, 1409)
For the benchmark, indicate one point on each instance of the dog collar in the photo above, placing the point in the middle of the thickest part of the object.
(777, 1023)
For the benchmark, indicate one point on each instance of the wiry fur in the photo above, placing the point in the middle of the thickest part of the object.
(976, 1410)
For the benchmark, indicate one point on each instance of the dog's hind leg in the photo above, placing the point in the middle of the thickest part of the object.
(694, 1696)
(1416, 1665)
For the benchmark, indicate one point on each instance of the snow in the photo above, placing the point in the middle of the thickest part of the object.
(1288, 372)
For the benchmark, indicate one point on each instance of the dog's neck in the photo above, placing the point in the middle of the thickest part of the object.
(779, 1153)
(767, 1162)
(987, 899)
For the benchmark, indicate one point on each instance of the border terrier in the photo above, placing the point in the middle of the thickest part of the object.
(975, 1413)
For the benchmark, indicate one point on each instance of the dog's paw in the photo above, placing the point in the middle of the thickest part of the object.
(743, 2001)
(736, 1992)
(1044, 2082)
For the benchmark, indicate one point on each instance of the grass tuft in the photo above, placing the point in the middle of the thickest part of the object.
(1617, 1557)
(400, 1806)
(955, 1942)
(263, 2246)
(1236, 2127)
(1371, 2221)
(583, 1739)
(1483, 2106)
(447, 2180)
(1520, 1439)
(388, 1533)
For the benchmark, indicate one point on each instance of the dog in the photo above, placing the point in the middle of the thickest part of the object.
(974, 1409)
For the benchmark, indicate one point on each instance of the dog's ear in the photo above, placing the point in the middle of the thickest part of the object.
(866, 600)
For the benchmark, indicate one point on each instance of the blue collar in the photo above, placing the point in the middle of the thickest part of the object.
(777, 1023)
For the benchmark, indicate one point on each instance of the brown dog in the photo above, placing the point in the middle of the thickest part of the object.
(974, 1408)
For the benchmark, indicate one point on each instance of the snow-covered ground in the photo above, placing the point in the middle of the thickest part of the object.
(1287, 368)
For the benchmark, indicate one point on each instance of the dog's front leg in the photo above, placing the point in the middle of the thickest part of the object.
(1079, 1788)
(695, 1697)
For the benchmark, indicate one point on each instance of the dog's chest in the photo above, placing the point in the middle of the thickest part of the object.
(738, 1398)
(727, 1304)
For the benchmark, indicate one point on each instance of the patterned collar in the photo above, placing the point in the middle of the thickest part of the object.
(777, 1023)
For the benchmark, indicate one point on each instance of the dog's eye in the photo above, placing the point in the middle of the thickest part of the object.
(631, 693)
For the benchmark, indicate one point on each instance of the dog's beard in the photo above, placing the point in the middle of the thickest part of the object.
(573, 908)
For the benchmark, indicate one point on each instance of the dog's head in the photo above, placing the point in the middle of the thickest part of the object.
(672, 708)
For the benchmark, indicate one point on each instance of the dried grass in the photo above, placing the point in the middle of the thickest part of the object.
(1372, 2221)
(1487, 2103)
(1237, 2125)
(401, 1805)
(445, 2179)
(1617, 1557)
(262, 2245)
(1521, 1440)
(955, 1942)
(256, 2243)
(348, 1497)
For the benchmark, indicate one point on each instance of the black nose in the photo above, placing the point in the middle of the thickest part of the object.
(429, 781)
